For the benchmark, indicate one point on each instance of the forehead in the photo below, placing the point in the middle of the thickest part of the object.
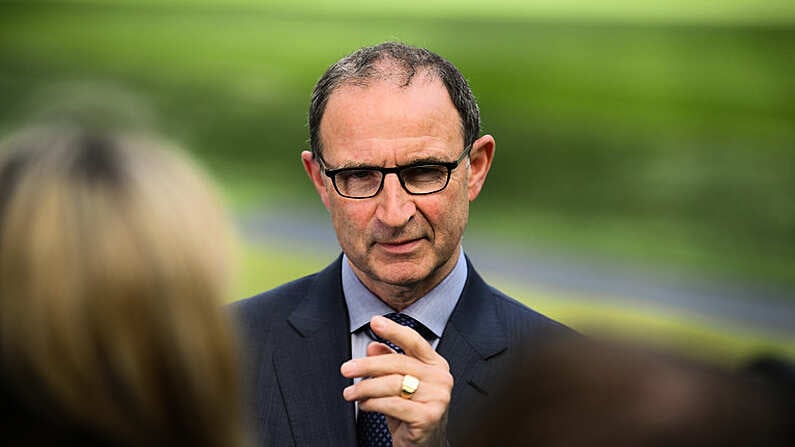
(368, 121)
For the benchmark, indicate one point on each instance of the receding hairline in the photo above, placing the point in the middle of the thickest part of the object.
(389, 71)
(389, 68)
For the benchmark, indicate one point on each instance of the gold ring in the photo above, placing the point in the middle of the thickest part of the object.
(409, 387)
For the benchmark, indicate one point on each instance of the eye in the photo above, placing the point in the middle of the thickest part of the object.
(425, 174)
(358, 174)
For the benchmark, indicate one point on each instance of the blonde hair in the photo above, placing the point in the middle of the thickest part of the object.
(114, 257)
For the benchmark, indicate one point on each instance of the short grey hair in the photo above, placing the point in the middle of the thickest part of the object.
(378, 62)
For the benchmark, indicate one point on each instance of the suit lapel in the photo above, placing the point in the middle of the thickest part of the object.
(473, 335)
(307, 365)
(317, 342)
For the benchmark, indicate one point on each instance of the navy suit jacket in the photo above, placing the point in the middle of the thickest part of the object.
(296, 337)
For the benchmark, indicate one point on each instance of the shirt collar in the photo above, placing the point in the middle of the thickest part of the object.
(432, 310)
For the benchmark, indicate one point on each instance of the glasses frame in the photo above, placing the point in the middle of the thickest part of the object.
(397, 170)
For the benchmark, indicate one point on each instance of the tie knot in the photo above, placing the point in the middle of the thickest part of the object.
(403, 320)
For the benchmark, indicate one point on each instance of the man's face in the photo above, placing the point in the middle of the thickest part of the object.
(395, 240)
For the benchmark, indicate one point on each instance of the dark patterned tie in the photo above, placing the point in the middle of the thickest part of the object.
(371, 428)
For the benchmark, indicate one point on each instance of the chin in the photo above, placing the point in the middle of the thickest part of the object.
(400, 277)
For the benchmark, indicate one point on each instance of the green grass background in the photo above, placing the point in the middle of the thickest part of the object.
(648, 133)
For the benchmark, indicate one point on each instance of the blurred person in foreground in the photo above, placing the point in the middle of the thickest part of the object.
(114, 256)
(396, 158)
(582, 392)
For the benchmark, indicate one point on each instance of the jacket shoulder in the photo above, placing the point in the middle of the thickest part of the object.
(274, 303)
(523, 318)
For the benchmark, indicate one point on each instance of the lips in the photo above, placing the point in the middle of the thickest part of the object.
(401, 246)
(405, 241)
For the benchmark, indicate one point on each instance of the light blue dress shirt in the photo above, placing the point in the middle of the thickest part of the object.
(432, 310)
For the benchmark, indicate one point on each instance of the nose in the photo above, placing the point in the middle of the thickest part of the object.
(396, 206)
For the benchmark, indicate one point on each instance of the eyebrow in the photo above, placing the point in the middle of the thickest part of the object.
(414, 162)
(418, 161)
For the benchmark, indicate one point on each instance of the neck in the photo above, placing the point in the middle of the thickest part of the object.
(401, 296)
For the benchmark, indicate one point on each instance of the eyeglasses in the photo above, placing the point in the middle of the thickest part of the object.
(417, 179)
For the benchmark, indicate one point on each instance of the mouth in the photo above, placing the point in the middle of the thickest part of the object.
(399, 247)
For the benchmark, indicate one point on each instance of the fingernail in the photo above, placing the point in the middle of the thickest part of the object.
(348, 367)
(347, 391)
(377, 322)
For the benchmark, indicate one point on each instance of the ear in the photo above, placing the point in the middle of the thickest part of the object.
(312, 169)
(480, 158)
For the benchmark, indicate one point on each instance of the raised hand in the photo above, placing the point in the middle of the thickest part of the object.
(415, 419)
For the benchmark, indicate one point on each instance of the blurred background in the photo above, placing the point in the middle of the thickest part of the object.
(645, 169)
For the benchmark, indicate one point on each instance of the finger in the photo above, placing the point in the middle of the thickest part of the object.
(392, 385)
(375, 348)
(408, 339)
(392, 423)
(384, 364)
(405, 410)
(383, 386)
(391, 407)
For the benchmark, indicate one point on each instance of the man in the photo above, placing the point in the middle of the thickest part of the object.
(396, 160)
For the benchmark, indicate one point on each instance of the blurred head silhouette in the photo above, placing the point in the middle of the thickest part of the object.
(582, 392)
(114, 256)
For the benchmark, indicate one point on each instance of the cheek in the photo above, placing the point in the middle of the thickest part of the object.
(447, 215)
(350, 218)
(436, 212)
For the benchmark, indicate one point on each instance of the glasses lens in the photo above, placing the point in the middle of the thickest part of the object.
(425, 179)
(358, 182)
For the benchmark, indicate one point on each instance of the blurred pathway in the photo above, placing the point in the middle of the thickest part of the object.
(739, 306)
